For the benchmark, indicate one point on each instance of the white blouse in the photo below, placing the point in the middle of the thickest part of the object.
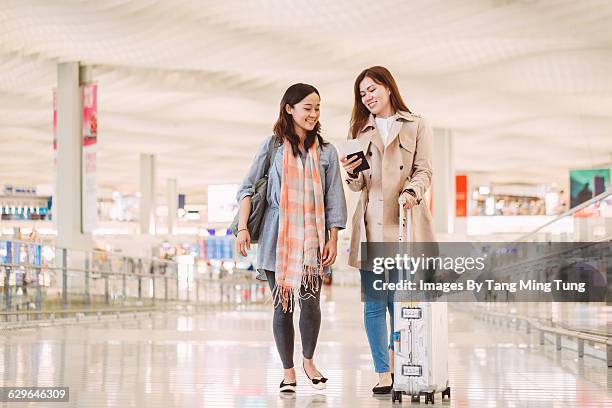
(384, 126)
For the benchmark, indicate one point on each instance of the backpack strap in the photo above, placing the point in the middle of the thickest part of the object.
(272, 148)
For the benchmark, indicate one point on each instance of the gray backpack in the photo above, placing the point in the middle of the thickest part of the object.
(258, 200)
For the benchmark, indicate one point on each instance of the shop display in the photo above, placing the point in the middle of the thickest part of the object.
(512, 200)
(21, 207)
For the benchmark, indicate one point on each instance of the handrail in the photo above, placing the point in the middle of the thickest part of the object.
(73, 311)
(68, 316)
(574, 210)
(580, 335)
(93, 250)
(235, 277)
(601, 338)
(585, 331)
(91, 270)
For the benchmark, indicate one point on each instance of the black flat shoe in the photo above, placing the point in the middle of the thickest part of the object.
(287, 387)
(378, 390)
(317, 383)
(381, 390)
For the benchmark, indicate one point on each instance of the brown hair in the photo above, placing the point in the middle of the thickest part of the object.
(382, 76)
(283, 128)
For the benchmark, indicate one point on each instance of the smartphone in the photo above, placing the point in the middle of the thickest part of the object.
(364, 163)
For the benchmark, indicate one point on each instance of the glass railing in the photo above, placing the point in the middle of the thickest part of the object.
(590, 221)
(37, 277)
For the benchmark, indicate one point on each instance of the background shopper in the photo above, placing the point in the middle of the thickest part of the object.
(398, 148)
(299, 234)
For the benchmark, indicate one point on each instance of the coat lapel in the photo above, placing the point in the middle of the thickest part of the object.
(400, 118)
(394, 131)
(376, 140)
(371, 136)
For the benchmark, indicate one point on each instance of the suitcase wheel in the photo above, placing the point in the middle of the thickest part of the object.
(415, 398)
(446, 392)
(396, 396)
(429, 396)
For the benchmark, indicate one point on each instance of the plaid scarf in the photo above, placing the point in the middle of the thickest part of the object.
(301, 229)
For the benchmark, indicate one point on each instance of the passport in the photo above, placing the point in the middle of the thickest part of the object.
(351, 149)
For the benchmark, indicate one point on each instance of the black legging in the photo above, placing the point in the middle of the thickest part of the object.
(310, 323)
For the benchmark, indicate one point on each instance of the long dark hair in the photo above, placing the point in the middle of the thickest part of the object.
(382, 76)
(283, 128)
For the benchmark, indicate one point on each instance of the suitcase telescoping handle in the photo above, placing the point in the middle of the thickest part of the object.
(403, 222)
(402, 201)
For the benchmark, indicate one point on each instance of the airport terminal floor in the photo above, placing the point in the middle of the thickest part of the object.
(225, 357)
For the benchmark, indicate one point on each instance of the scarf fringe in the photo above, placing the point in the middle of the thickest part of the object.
(284, 296)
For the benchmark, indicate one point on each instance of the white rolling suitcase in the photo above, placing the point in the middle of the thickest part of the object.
(420, 341)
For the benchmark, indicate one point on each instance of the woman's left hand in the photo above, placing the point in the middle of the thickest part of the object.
(410, 201)
(330, 251)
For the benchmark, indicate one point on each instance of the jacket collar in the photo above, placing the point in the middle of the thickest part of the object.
(405, 116)
(399, 115)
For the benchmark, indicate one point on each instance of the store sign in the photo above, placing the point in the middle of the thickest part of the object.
(89, 194)
(11, 190)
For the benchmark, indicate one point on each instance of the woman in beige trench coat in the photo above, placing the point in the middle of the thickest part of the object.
(398, 148)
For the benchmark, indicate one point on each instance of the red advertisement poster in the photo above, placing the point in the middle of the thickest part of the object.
(90, 138)
(90, 114)
(461, 196)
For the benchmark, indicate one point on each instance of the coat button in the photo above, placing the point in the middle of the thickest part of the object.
(401, 167)
(400, 145)
(370, 154)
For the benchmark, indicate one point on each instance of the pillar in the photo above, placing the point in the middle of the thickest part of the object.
(172, 200)
(147, 194)
(443, 189)
(67, 202)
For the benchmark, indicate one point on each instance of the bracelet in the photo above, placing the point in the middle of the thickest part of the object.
(242, 229)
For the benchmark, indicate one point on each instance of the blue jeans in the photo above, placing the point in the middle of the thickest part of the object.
(375, 306)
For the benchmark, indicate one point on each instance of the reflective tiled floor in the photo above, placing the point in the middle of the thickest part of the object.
(228, 359)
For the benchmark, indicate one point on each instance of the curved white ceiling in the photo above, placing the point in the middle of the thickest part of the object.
(525, 85)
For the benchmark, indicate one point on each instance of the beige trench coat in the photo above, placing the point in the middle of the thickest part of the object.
(405, 162)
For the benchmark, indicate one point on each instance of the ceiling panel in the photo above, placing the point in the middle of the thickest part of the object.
(198, 83)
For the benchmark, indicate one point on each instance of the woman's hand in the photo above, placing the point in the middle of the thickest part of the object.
(330, 251)
(244, 241)
(350, 165)
(410, 200)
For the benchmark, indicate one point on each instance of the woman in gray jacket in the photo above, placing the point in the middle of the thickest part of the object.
(299, 233)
